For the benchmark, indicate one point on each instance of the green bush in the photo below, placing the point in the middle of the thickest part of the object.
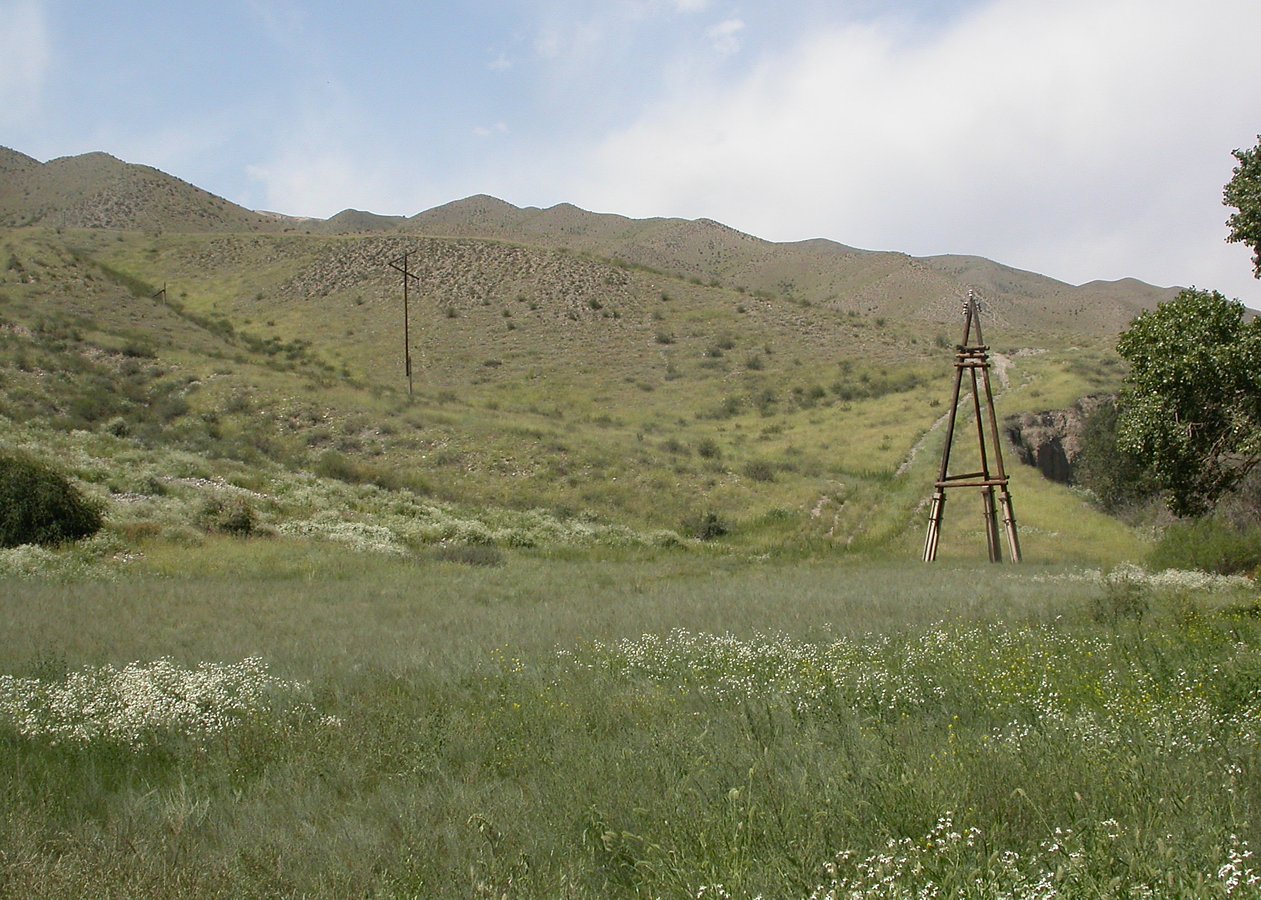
(1118, 478)
(1208, 545)
(708, 448)
(1123, 597)
(337, 465)
(760, 470)
(233, 516)
(38, 505)
(706, 527)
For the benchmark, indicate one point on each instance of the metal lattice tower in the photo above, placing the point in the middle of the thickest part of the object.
(972, 357)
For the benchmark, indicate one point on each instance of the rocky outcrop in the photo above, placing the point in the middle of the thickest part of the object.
(1051, 440)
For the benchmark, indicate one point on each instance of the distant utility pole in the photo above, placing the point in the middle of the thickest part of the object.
(400, 265)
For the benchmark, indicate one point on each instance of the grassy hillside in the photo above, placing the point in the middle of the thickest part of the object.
(924, 292)
(658, 376)
(95, 190)
(545, 379)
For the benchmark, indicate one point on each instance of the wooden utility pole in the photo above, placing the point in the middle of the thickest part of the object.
(972, 356)
(400, 265)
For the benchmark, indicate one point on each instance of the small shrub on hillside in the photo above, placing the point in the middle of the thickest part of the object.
(708, 448)
(234, 516)
(1208, 545)
(760, 470)
(705, 527)
(334, 464)
(38, 505)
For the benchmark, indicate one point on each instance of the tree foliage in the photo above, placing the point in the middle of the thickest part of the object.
(1191, 408)
(1243, 192)
(39, 506)
(1117, 477)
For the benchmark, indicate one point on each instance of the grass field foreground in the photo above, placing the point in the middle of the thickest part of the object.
(657, 725)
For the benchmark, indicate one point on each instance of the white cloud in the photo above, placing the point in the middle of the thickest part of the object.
(500, 63)
(691, 6)
(547, 43)
(486, 131)
(569, 41)
(1084, 139)
(311, 185)
(25, 57)
(325, 159)
(725, 37)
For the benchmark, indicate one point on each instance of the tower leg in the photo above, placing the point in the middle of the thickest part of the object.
(934, 525)
(991, 525)
(1009, 525)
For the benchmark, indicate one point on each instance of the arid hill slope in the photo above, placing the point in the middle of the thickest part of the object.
(95, 190)
(881, 284)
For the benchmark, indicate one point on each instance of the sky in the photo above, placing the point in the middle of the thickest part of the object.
(1082, 139)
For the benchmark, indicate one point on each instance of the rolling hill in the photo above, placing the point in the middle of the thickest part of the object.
(95, 190)
(817, 271)
(594, 369)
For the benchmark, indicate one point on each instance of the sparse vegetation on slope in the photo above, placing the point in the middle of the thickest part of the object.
(541, 379)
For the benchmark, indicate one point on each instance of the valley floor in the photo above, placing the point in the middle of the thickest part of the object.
(649, 723)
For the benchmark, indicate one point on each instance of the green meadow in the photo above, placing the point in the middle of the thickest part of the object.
(629, 723)
(625, 601)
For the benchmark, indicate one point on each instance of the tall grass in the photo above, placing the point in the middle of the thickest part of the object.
(644, 725)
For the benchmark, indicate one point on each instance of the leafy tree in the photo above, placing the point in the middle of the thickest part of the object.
(39, 506)
(1118, 478)
(1191, 408)
(1243, 192)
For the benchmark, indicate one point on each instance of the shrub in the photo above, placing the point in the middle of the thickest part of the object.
(760, 470)
(1208, 545)
(40, 506)
(706, 527)
(1117, 477)
(234, 516)
(1123, 597)
(708, 448)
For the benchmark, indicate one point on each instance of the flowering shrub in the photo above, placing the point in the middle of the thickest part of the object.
(89, 558)
(940, 865)
(356, 535)
(141, 703)
(1028, 681)
(1165, 579)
